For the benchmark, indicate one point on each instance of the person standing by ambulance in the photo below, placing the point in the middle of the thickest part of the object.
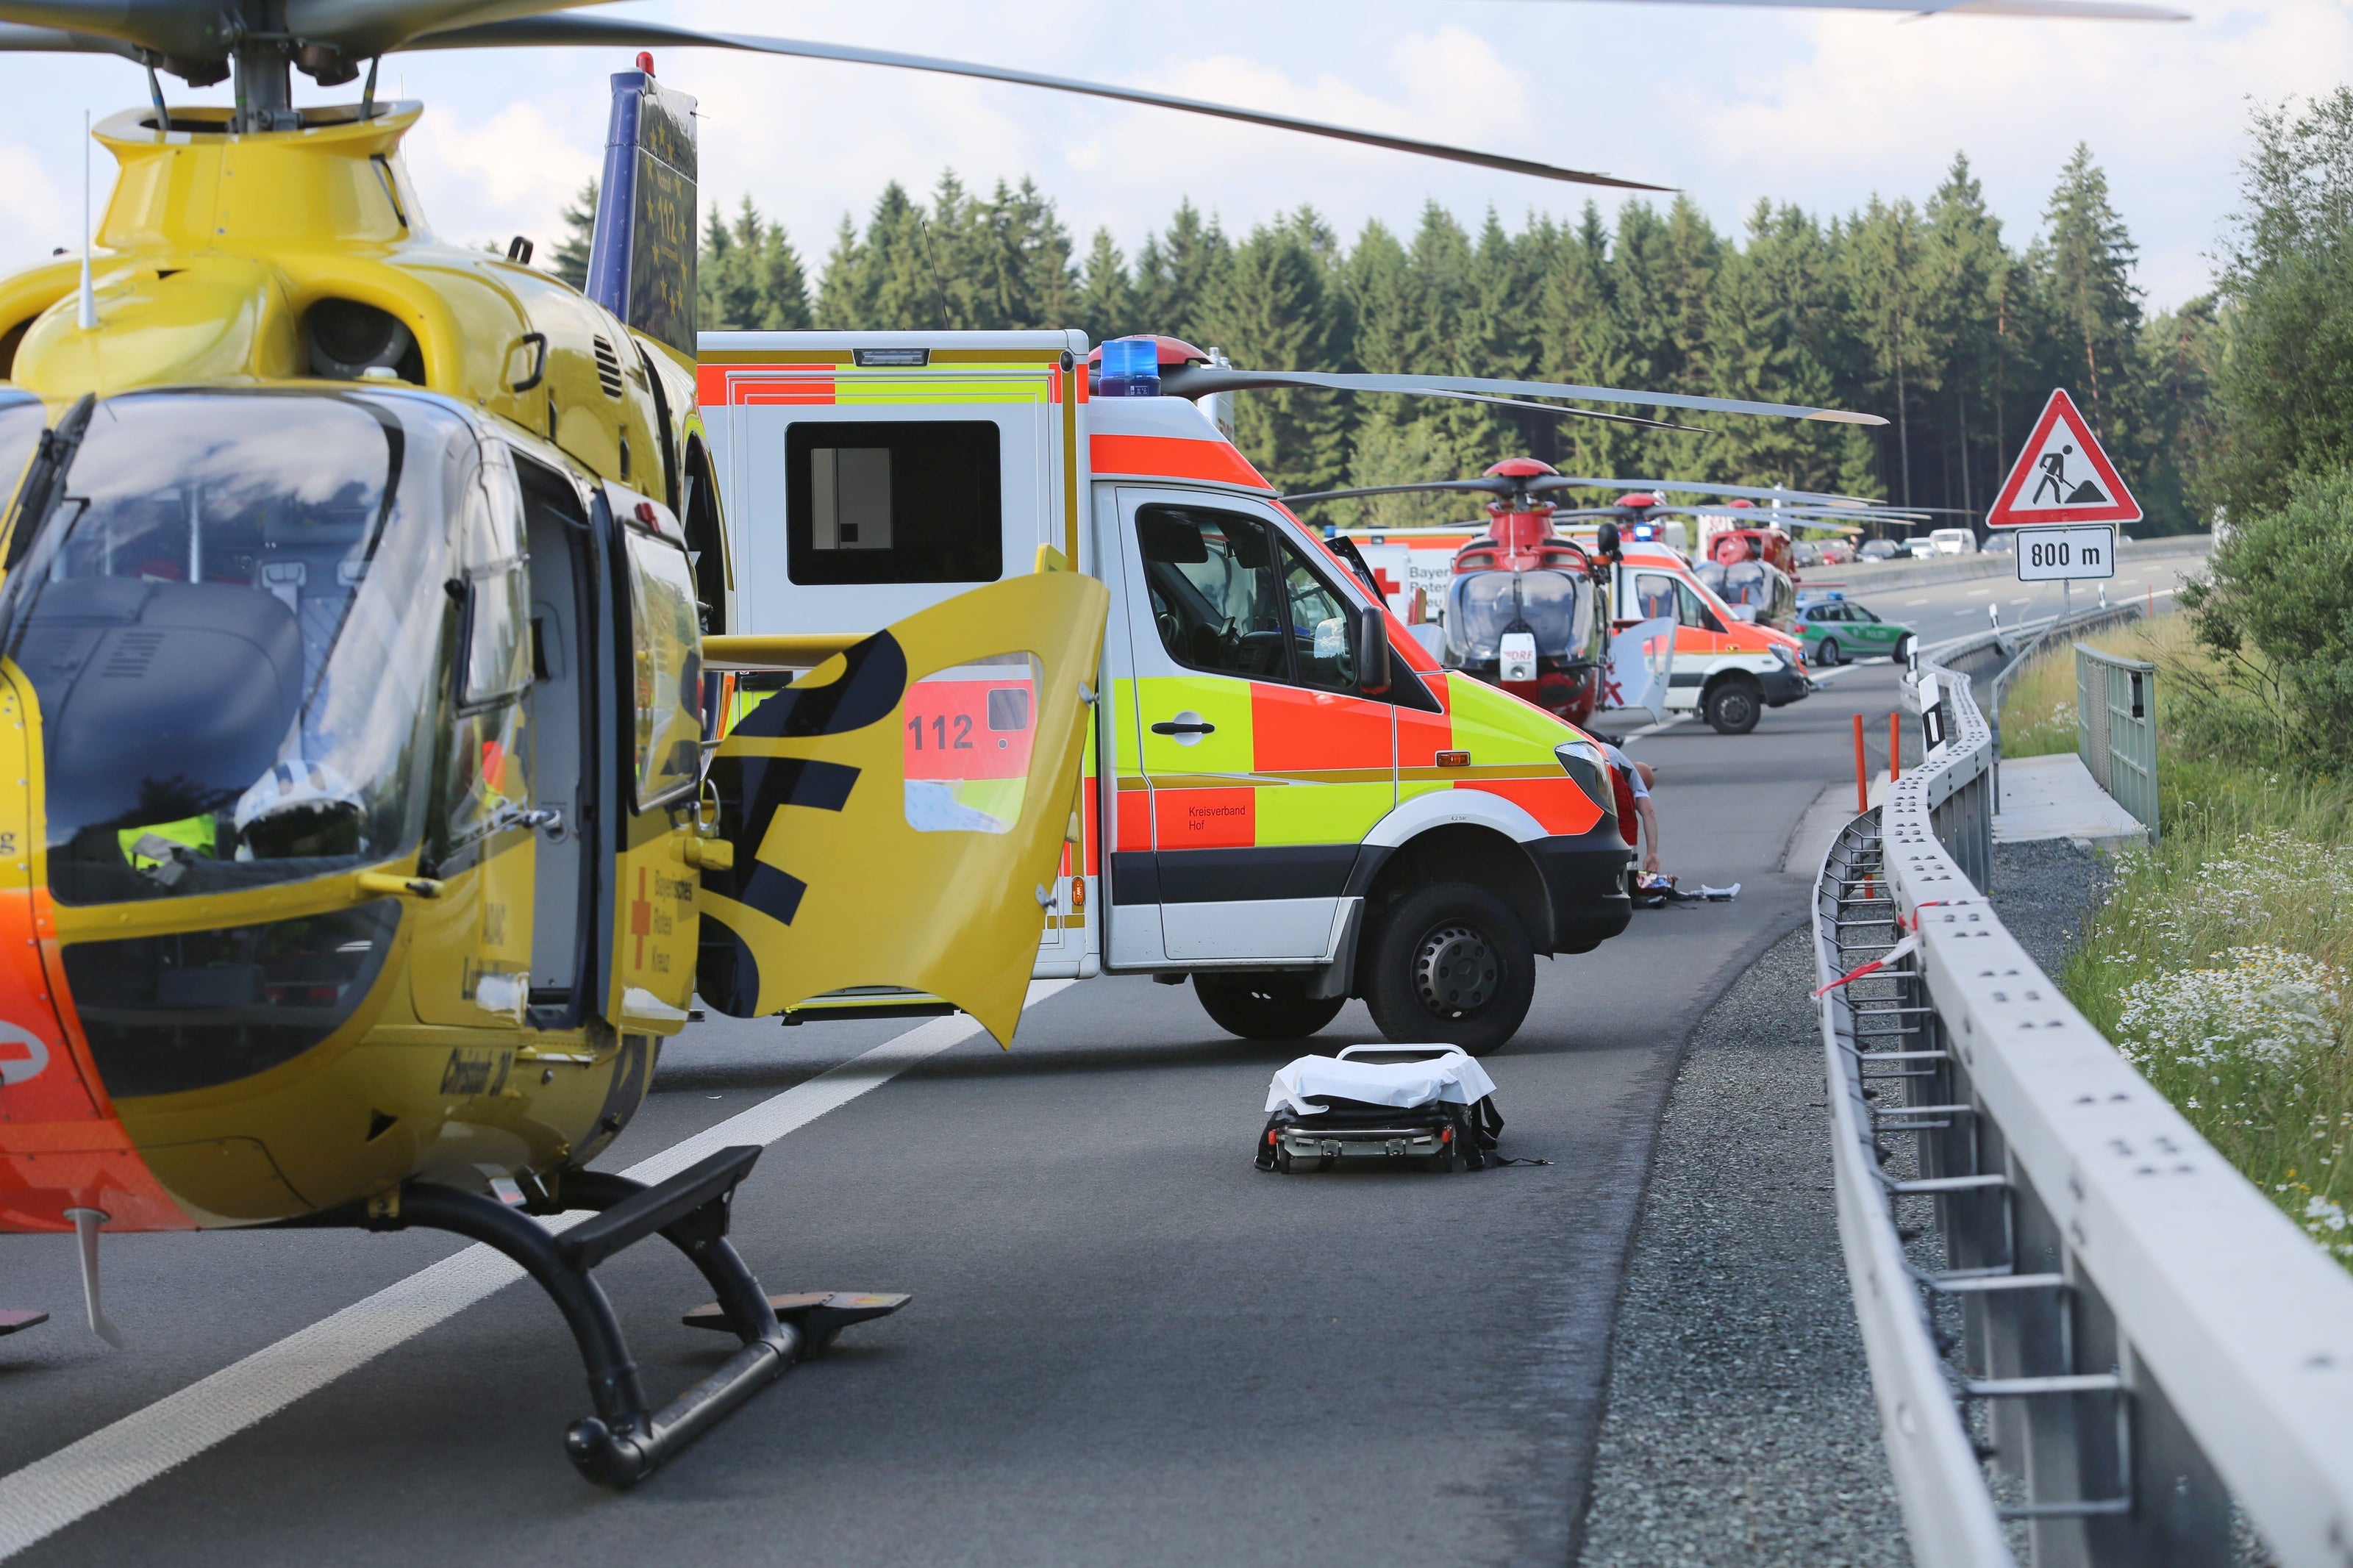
(1634, 778)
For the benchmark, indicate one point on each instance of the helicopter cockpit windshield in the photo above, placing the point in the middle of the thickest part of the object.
(1557, 606)
(233, 619)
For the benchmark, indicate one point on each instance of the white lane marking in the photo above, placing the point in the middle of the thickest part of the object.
(1908, 604)
(1824, 677)
(1978, 593)
(1653, 729)
(83, 1477)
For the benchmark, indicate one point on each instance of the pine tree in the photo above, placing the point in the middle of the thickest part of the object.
(1107, 299)
(570, 262)
(1272, 305)
(1175, 270)
(2085, 259)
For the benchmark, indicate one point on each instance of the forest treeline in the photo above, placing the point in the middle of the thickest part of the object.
(1924, 312)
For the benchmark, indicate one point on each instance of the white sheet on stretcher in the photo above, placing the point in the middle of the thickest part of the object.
(1454, 1077)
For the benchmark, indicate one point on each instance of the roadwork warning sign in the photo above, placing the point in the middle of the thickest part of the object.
(2062, 476)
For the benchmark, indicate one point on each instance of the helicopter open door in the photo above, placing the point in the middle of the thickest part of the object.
(897, 814)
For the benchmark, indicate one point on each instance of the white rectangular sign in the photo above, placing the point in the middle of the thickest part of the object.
(2064, 554)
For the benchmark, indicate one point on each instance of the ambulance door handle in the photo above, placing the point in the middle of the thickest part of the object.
(1188, 727)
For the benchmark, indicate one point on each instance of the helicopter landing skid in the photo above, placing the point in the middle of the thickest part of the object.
(819, 1315)
(11, 1322)
(625, 1440)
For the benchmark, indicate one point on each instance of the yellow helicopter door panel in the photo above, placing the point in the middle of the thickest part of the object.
(897, 814)
(654, 929)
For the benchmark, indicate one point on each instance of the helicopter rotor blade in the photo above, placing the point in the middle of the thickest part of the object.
(615, 31)
(1495, 485)
(1200, 380)
(1689, 487)
(15, 37)
(1558, 412)
(1921, 10)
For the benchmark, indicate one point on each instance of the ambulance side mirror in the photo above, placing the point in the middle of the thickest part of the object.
(1372, 652)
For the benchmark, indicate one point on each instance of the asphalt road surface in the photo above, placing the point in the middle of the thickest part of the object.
(1125, 1341)
(1957, 609)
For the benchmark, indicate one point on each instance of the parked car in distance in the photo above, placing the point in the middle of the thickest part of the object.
(1919, 549)
(1878, 550)
(1836, 629)
(1954, 541)
(1836, 552)
(1806, 552)
(2000, 542)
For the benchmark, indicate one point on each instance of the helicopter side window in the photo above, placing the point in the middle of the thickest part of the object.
(1216, 597)
(485, 772)
(666, 667)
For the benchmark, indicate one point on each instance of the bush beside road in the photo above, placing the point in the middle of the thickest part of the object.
(2219, 963)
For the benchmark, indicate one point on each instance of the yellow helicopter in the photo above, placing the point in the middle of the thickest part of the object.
(361, 597)
(361, 602)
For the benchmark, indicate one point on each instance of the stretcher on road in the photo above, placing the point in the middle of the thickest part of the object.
(1431, 1105)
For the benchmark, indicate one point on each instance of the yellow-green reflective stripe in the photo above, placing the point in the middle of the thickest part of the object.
(1322, 814)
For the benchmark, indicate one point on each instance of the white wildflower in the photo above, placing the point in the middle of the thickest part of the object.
(2269, 1006)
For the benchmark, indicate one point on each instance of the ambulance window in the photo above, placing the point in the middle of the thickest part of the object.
(903, 501)
(1654, 596)
(1320, 628)
(1215, 596)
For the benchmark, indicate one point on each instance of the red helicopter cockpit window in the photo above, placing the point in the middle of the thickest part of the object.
(1556, 606)
(1754, 584)
(233, 619)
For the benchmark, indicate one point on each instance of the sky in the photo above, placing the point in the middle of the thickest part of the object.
(1822, 109)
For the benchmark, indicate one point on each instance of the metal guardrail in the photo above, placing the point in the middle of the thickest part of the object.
(2115, 728)
(2051, 1269)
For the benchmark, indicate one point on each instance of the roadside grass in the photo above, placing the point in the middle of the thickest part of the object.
(2038, 709)
(2222, 962)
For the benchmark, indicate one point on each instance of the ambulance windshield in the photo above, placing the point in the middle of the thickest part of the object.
(1557, 606)
(232, 620)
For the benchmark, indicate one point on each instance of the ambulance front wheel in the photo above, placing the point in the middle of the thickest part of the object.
(1264, 1006)
(1732, 707)
(1450, 963)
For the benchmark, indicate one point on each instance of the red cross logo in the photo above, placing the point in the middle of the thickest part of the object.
(641, 917)
(1388, 585)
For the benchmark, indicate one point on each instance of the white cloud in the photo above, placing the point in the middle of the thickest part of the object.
(1820, 109)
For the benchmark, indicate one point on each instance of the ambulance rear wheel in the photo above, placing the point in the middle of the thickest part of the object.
(1451, 963)
(1733, 708)
(1264, 1006)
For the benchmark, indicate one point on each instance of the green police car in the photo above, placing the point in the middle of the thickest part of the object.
(1836, 629)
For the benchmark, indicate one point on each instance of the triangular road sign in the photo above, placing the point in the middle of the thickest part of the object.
(2062, 476)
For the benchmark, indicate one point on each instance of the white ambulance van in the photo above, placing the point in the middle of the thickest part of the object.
(1287, 801)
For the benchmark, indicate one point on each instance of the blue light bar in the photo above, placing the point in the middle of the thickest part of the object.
(1131, 368)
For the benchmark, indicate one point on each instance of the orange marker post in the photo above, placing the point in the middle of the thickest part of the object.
(1862, 771)
(1895, 747)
